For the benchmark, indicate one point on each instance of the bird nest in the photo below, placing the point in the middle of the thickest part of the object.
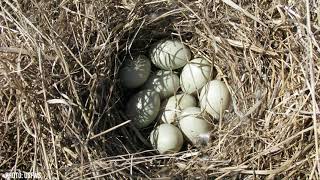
(62, 103)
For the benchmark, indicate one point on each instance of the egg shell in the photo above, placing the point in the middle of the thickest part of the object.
(166, 138)
(170, 54)
(215, 98)
(194, 126)
(193, 111)
(166, 83)
(190, 111)
(135, 72)
(172, 107)
(143, 108)
(195, 75)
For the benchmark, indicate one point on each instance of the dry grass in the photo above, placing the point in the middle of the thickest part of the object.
(61, 101)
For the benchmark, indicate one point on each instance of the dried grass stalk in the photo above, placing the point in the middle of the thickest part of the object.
(61, 103)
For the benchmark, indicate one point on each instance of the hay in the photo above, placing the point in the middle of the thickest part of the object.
(61, 103)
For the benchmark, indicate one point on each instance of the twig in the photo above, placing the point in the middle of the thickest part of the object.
(238, 8)
(109, 130)
(315, 107)
(24, 52)
(244, 45)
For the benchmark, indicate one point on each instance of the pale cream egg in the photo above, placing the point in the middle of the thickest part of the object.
(195, 75)
(170, 54)
(194, 126)
(166, 138)
(171, 108)
(215, 98)
(166, 83)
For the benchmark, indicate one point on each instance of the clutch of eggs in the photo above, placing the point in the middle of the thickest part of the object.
(178, 112)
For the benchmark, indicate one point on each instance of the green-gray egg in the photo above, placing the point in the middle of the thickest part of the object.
(143, 108)
(135, 72)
